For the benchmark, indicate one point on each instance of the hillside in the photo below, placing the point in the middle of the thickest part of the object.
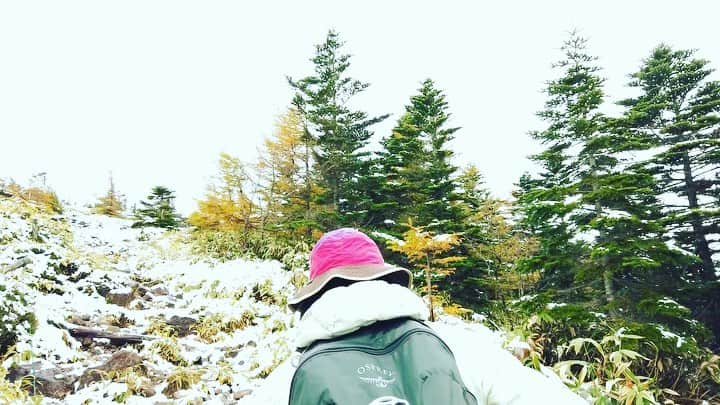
(132, 315)
(224, 321)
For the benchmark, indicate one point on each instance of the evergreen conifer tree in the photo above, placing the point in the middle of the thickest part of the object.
(600, 208)
(158, 211)
(339, 132)
(420, 179)
(677, 114)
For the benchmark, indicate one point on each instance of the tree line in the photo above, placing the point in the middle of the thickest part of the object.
(622, 216)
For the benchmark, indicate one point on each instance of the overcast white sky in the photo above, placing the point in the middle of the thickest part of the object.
(154, 90)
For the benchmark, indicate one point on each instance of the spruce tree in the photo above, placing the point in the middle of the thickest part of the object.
(339, 132)
(596, 213)
(677, 114)
(429, 115)
(401, 175)
(158, 211)
(416, 164)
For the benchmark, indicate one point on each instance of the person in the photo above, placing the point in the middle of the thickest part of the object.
(354, 296)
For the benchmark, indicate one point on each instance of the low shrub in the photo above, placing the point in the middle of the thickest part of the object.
(169, 350)
(18, 318)
(226, 245)
(182, 378)
(619, 357)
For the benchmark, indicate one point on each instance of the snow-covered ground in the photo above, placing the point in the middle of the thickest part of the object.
(151, 276)
(223, 328)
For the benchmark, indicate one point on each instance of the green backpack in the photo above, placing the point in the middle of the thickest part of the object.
(395, 362)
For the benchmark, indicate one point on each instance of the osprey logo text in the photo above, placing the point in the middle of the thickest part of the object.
(378, 381)
(377, 376)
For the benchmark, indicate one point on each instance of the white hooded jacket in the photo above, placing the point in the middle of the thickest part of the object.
(491, 373)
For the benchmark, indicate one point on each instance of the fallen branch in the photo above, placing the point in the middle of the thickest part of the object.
(116, 339)
(18, 264)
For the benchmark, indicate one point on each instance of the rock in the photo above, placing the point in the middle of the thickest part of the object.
(79, 276)
(102, 289)
(49, 382)
(82, 320)
(159, 290)
(241, 394)
(138, 305)
(146, 390)
(120, 296)
(148, 297)
(119, 361)
(66, 269)
(182, 324)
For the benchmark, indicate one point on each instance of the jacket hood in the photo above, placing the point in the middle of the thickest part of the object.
(344, 310)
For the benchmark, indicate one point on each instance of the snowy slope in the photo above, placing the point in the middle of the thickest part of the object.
(152, 277)
(118, 260)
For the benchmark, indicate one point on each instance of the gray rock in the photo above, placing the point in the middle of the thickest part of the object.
(119, 361)
(102, 289)
(159, 290)
(121, 297)
(238, 395)
(182, 324)
(49, 382)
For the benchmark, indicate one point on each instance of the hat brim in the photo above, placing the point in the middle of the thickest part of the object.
(364, 272)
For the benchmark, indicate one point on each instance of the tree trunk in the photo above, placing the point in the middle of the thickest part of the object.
(609, 289)
(607, 273)
(308, 187)
(701, 244)
(429, 288)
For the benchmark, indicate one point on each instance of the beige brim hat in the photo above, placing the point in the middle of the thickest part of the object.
(362, 272)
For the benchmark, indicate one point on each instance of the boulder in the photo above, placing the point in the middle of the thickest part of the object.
(120, 296)
(182, 324)
(82, 320)
(238, 395)
(146, 390)
(48, 382)
(118, 362)
(159, 290)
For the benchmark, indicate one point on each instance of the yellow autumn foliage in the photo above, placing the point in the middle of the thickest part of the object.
(44, 198)
(287, 185)
(424, 249)
(226, 206)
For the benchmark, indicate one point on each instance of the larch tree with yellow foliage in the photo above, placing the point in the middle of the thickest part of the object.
(110, 204)
(501, 247)
(425, 250)
(227, 206)
(287, 186)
